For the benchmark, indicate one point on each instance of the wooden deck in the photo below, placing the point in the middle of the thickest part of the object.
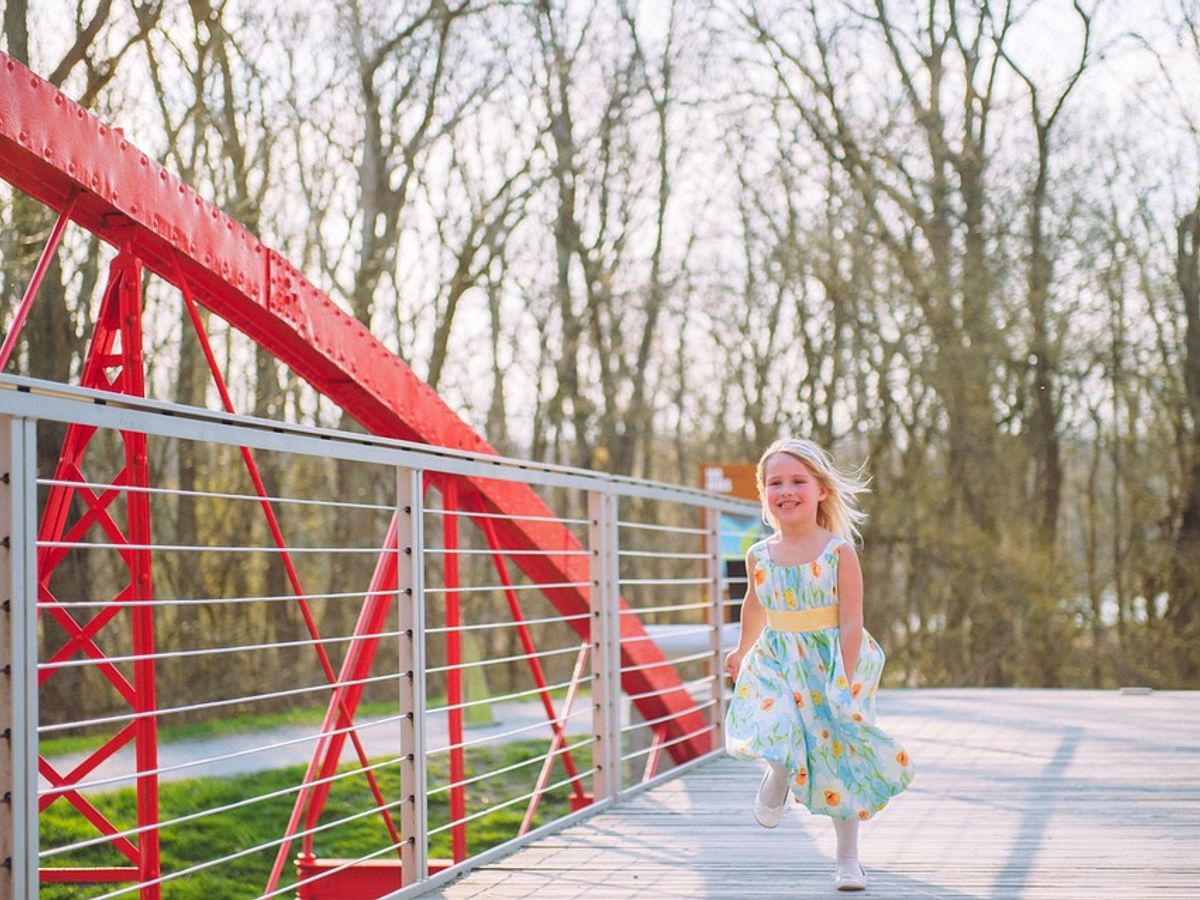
(1019, 793)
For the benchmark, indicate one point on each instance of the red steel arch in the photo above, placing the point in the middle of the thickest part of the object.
(58, 153)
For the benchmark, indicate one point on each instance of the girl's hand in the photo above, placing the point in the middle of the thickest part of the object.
(733, 662)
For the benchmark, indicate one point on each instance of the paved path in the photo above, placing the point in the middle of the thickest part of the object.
(1019, 793)
(244, 753)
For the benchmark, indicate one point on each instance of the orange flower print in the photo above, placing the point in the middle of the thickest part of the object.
(802, 777)
(824, 734)
(902, 758)
(821, 668)
(858, 717)
(816, 569)
(760, 576)
(768, 702)
(862, 814)
(799, 698)
(833, 798)
(855, 689)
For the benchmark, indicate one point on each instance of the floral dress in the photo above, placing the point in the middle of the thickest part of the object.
(793, 703)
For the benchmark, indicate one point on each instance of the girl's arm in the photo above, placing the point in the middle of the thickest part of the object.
(754, 618)
(850, 607)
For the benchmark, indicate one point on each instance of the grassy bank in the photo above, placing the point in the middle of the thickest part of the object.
(191, 843)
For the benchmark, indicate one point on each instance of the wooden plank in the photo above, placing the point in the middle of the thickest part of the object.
(1019, 793)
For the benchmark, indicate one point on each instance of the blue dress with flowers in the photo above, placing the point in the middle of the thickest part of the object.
(794, 704)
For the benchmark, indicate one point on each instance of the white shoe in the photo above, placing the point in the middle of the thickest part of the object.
(768, 816)
(850, 877)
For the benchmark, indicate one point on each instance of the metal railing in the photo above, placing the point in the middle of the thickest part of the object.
(151, 616)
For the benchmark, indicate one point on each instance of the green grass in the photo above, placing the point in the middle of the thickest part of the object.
(217, 835)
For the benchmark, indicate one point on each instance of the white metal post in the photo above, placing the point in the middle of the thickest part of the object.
(716, 597)
(410, 542)
(18, 656)
(606, 649)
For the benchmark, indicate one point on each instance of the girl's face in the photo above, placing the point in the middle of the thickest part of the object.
(793, 492)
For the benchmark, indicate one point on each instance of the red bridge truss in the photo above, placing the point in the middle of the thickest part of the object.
(91, 175)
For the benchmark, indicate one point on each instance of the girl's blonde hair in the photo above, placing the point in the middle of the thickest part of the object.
(839, 512)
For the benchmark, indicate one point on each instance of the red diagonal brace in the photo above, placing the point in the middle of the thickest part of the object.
(116, 342)
(14, 332)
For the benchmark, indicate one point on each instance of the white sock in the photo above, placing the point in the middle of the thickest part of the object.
(847, 841)
(774, 789)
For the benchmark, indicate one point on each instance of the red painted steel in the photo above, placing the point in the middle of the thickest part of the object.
(39, 273)
(579, 798)
(369, 879)
(95, 875)
(293, 576)
(343, 704)
(58, 153)
(113, 362)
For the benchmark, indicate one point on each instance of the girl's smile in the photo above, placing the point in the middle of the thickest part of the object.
(793, 492)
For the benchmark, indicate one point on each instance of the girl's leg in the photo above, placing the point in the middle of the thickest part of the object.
(847, 840)
(849, 875)
(773, 790)
(771, 800)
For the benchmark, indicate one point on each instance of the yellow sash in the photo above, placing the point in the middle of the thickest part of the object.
(803, 619)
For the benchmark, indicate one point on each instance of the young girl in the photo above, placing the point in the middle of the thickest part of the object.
(806, 670)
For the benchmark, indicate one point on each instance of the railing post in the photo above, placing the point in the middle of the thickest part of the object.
(18, 658)
(410, 544)
(605, 605)
(716, 596)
